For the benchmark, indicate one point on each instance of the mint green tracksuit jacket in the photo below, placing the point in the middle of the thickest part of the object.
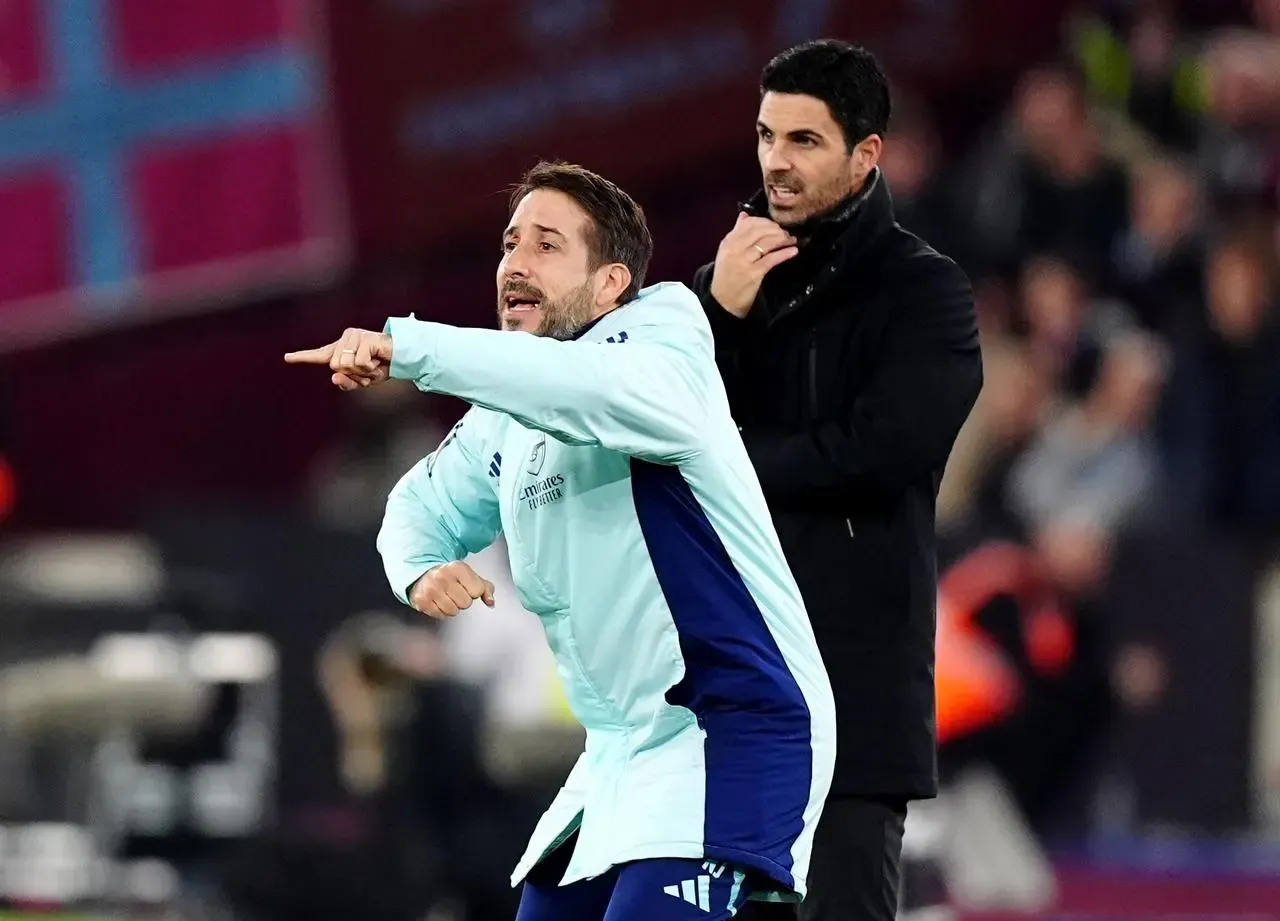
(639, 535)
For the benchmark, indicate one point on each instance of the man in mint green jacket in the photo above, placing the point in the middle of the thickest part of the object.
(602, 448)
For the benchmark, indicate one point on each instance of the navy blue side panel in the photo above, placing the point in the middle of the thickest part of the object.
(758, 753)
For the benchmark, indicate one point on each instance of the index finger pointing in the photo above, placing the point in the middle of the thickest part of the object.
(320, 356)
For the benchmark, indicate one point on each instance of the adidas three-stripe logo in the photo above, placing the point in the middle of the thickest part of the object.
(697, 891)
(694, 891)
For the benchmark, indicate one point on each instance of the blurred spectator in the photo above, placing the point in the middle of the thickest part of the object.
(1026, 693)
(993, 299)
(393, 868)
(1023, 679)
(362, 668)
(1067, 329)
(914, 165)
(1044, 183)
(1095, 463)
(388, 430)
(1221, 420)
(1031, 678)
(411, 738)
(1135, 60)
(1007, 416)
(1156, 266)
(1240, 151)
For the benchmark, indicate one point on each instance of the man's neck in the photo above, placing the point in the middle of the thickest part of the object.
(586, 327)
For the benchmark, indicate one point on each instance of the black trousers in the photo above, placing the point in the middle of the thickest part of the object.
(856, 870)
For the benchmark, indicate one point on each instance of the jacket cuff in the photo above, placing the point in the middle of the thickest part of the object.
(720, 318)
(412, 348)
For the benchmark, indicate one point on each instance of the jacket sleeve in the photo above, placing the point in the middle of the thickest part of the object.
(726, 329)
(903, 424)
(443, 510)
(645, 395)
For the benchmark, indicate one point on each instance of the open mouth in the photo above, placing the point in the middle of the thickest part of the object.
(520, 303)
(783, 195)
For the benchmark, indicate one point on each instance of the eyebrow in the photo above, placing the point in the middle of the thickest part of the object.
(795, 135)
(510, 231)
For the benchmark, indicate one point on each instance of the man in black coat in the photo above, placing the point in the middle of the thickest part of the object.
(849, 349)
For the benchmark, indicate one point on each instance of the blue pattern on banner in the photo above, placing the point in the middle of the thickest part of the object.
(95, 115)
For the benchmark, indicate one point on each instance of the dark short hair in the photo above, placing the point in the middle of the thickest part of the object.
(617, 232)
(847, 78)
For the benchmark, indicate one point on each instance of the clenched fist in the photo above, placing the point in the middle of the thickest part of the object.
(746, 254)
(448, 589)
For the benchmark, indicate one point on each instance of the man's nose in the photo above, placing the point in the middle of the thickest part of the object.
(775, 159)
(516, 264)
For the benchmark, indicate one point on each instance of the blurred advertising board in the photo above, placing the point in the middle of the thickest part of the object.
(158, 156)
(445, 102)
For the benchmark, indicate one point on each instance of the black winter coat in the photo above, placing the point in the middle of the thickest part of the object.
(850, 378)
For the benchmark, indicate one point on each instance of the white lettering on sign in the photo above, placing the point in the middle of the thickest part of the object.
(596, 86)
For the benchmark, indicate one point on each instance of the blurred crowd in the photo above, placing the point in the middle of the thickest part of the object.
(1120, 227)
(1120, 224)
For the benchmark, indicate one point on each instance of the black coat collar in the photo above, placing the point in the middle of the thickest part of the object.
(850, 228)
(843, 240)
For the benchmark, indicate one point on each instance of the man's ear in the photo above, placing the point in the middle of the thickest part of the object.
(866, 155)
(615, 278)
